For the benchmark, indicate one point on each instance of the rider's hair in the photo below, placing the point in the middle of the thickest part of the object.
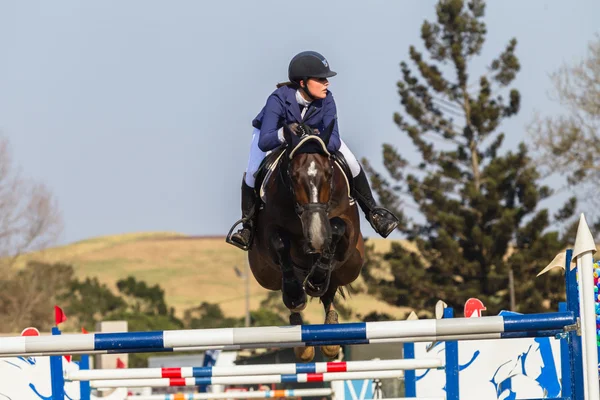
(288, 83)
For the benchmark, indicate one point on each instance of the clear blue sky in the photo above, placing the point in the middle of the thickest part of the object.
(137, 113)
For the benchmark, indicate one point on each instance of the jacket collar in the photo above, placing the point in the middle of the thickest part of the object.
(290, 98)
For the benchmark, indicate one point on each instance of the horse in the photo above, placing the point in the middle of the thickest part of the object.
(307, 239)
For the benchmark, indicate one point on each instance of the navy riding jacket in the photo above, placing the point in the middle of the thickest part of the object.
(283, 108)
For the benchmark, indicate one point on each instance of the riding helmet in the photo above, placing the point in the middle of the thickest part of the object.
(309, 64)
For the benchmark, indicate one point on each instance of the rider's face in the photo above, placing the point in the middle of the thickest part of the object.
(317, 87)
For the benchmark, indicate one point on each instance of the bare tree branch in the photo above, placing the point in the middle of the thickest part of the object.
(569, 144)
(29, 216)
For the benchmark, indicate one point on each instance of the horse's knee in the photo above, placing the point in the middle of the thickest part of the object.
(279, 242)
(280, 246)
(338, 227)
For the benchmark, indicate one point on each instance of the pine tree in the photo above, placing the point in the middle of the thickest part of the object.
(480, 218)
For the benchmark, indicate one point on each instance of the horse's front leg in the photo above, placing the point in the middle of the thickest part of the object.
(331, 317)
(317, 282)
(338, 229)
(294, 296)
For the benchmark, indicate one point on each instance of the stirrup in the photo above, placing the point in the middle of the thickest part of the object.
(236, 244)
(386, 214)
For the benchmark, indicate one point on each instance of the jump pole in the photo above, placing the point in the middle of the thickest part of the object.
(246, 380)
(257, 394)
(441, 338)
(260, 369)
(245, 337)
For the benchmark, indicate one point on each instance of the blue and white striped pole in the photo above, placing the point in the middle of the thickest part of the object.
(365, 332)
(443, 338)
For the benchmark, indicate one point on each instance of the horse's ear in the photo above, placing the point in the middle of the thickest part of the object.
(325, 136)
(287, 134)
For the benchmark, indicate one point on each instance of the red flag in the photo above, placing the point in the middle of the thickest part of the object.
(59, 315)
(68, 358)
(120, 363)
(83, 330)
(473, 308)
(30, 332)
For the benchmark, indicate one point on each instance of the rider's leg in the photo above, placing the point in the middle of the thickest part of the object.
(382, 220)
(243, 237)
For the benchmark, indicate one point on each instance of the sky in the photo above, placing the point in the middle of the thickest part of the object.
(137, 114)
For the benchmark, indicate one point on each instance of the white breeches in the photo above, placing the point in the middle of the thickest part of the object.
(257, 155)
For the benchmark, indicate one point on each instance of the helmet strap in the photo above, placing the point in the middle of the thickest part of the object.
(305, 90)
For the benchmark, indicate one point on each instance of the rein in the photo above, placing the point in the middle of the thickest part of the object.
(287, 182)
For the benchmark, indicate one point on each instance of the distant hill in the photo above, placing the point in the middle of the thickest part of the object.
(190, 270)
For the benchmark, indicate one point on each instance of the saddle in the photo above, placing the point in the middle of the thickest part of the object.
(272, 160)
(266, 168)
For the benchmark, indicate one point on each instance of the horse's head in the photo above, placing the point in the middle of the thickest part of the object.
(310, 177)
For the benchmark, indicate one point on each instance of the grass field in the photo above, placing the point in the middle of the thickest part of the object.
(190, 270)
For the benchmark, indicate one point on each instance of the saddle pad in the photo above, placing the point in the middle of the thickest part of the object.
(263, 195)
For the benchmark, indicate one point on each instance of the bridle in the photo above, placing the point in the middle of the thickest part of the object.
(287, 179)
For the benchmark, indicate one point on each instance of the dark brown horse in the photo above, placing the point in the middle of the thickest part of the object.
(308, 239)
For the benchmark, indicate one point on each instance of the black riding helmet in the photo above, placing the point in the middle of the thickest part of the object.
(308, 64)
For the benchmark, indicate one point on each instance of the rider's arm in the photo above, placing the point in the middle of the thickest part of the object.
(330, 113)
(273, 112)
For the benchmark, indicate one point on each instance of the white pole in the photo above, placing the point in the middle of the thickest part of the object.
(260, 369)
(258, 394)
(583, 254)
(441, 338)
(245, 380)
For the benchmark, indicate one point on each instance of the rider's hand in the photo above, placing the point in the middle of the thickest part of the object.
(305, 130)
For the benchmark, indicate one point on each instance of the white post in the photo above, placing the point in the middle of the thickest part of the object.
(247, 282)
(583, 256)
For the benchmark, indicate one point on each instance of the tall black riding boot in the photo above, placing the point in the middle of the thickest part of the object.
(381, 219)
(243, 237)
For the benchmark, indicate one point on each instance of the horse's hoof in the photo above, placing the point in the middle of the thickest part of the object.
(330, 352)
(317, 284)
(299, 308)
(297, 302)
(331, 317)
(304, 354)
(296, 305)
(296, 319)
(315, 291)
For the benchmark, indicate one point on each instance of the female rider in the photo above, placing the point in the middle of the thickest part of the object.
(304, 100)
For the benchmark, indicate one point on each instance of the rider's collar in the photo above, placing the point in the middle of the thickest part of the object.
(301, 100)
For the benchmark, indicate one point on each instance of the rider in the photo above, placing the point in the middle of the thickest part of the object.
(304, 100)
